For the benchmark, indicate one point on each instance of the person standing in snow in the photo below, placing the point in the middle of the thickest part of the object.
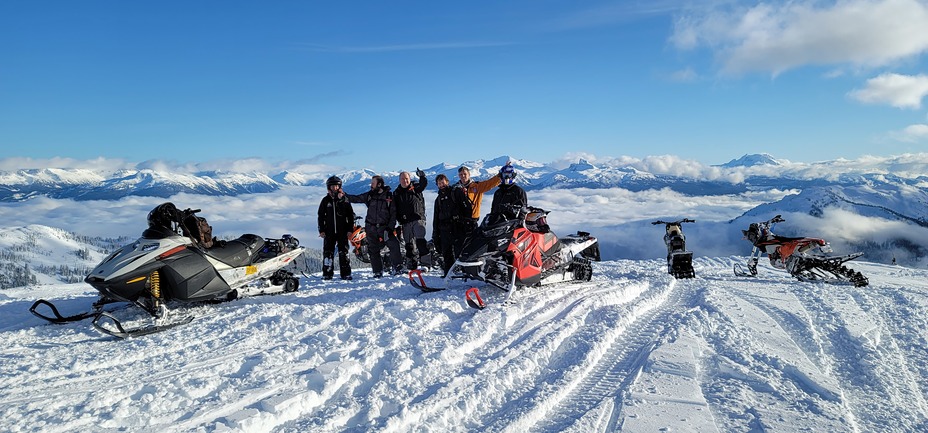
(336, 220)
(473, 191)
(410, 214)
(450, 208)
(509, 200)
(379, 224)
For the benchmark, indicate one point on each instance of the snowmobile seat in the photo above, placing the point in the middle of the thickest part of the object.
(239, 252)
(784, 239)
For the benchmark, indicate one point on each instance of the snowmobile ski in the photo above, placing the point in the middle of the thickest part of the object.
(56, 316)
(416, 279)
(472, 295)
(751, 269)
(121, 332)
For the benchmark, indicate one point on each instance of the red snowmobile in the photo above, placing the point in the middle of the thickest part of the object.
(807, 259)
(359, 245)
(514, 253)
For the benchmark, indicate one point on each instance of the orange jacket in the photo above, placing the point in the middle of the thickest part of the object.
(476, 189)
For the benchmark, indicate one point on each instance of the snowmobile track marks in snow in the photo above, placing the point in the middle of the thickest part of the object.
(623, 355)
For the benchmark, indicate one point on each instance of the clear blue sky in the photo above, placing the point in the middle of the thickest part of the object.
(390, 85)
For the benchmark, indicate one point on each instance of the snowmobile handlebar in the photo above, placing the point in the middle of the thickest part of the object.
(684, 220)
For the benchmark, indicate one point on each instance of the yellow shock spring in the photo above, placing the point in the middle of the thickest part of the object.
(155, 281)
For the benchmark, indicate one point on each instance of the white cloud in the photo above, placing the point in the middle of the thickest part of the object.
(912, 133)
(98, 164)
(778, 37)
(684, 75)
(902, 91)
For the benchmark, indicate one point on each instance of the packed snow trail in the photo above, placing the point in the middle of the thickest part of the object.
(633, 349)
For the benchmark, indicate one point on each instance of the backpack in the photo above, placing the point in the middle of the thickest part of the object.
(197, 229)
(467, 206)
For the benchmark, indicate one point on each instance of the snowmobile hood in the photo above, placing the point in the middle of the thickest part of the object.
(135, 255)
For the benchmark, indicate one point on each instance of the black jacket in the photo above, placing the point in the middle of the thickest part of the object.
(509, 200)
(381, 211)
(335, 215)
(450, 207)
(410, 204)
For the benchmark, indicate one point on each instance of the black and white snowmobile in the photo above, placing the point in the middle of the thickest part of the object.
(167, 266)
(513, 253)
(679, 260)
(807, 259)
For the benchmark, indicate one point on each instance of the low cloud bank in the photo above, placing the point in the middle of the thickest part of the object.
(619, 218)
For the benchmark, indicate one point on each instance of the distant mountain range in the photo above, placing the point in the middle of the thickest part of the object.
(880, 209)
(748, 173)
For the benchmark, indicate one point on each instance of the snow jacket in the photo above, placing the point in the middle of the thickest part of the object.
(381, 211)
(475, 191)
(410, 203)
(509, 200)
(450, 207)
(336, 215)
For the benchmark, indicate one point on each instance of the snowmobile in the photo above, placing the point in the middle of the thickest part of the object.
(513, 253)
(679, 260)
(358, 241)
(807, 259)
(359, 246)
(171, 264)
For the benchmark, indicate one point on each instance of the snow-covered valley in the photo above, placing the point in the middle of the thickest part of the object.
(632, 350)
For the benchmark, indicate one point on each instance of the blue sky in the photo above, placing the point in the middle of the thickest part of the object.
(395, 85)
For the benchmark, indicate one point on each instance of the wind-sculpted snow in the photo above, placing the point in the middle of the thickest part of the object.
(633, 349)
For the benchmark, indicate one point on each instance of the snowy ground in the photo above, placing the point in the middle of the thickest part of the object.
(633, 350)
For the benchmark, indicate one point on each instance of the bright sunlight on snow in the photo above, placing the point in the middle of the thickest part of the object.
(632, 350)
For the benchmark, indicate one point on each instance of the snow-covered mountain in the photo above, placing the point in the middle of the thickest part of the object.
(873, 205)
(748, 173)
(83, 184)
(38, 254)
(633, 350)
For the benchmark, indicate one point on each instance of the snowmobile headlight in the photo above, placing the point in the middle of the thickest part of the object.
(826, 248)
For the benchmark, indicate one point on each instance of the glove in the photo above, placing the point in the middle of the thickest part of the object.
(419, 172)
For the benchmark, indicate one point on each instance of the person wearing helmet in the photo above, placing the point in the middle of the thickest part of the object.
(509, 200)
(410, 214)
(379, 224)
(336, 221)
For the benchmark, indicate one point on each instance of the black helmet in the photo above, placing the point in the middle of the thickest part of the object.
(334, 180)
(163, 215)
